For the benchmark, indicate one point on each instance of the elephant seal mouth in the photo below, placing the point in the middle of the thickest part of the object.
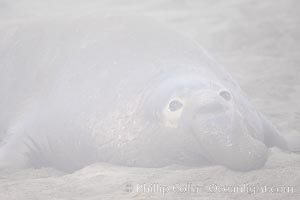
(225, 140)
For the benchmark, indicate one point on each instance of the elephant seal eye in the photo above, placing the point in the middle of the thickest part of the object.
(175, 105)
(226, 95)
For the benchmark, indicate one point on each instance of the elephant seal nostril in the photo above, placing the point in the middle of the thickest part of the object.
(226, 95)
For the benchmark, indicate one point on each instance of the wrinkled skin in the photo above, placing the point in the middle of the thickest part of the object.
(121, 90)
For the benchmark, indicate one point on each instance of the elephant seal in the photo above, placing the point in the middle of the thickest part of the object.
(123, 90)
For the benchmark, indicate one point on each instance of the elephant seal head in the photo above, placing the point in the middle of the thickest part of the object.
(209, 114)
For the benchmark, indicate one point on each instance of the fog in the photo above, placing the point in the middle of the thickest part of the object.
(124, 90)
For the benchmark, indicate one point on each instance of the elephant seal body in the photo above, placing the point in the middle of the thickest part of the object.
(121, 90)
